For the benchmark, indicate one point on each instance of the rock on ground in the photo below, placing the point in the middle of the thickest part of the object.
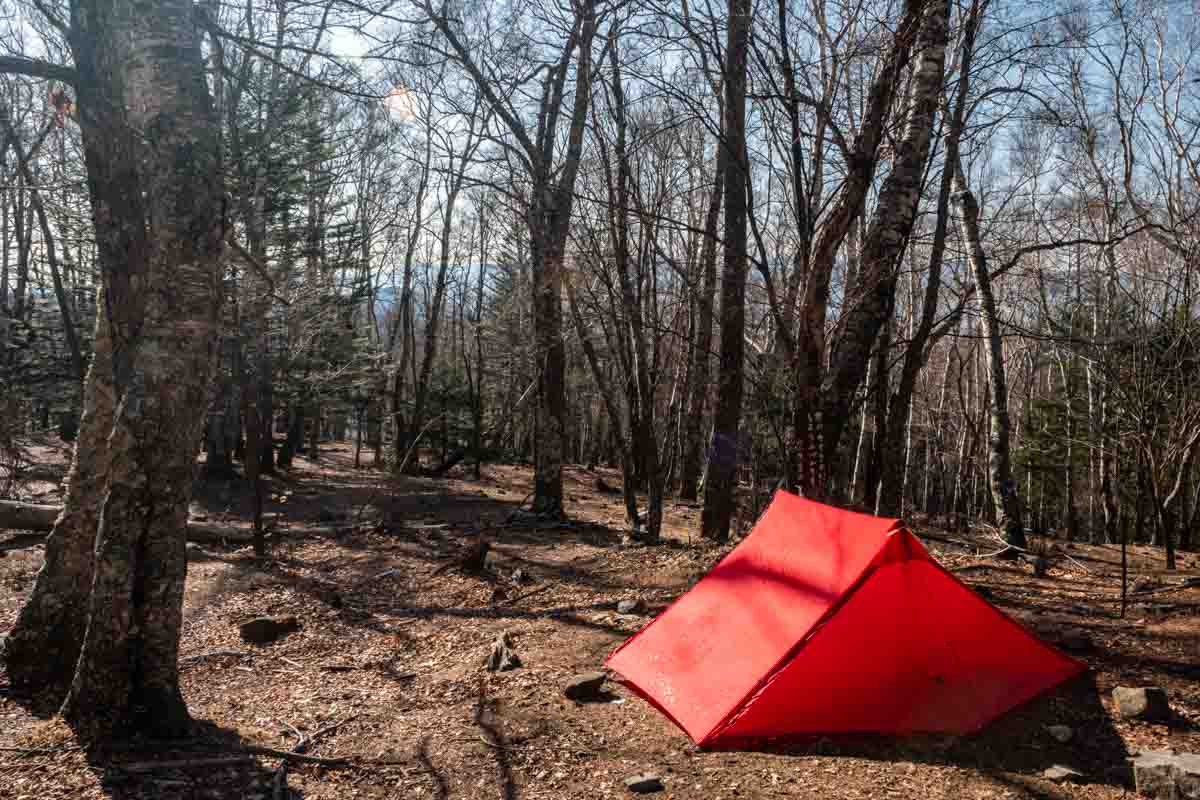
(630, 606)
(1060, 733)
(264, 630)
(1164, 775)
(585, 686)
(1060, 773)
(1145, 703)
(644, 784)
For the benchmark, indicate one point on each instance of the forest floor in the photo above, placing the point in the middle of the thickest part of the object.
(393, 646)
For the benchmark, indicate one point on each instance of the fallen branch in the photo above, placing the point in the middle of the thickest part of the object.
(185, 763)
(280, 784)
(1190, 583)
(1073, 561)
(32, 517)
(260, 750)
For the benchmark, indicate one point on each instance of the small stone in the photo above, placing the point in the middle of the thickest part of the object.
(630, 606)
(1040, 567)
(585, 686)
(1145, 703)
(1060, 773)
(502, 658)
(264, 630)
(1060, 733)
(520, 576)
(644, 784)
(1165, 775)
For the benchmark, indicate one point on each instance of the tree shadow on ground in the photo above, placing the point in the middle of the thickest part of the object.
(1015, 750)
(491, 734)
(211, 762)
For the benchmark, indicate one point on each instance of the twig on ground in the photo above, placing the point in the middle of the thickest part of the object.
(260, 750)
(1076, 563)
(1190, 583)
(521, 597)
(386, 573)
(295, 731)
(184, 763)
(330, 728)
(279, 784)
(302, 744)
(187, 661)
(66, 748)
(1002, 550)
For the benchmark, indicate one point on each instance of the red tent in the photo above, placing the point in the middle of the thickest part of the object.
(826, 621)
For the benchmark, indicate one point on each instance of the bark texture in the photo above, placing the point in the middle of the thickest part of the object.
(890, 500)
(693, 452)
(151, 147)
(41, 650)
(1003, 487)
(872, 296)
(721, 483)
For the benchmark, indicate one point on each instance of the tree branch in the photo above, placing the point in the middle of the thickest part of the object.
(36, 68)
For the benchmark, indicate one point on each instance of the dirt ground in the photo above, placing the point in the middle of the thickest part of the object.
(389, 665)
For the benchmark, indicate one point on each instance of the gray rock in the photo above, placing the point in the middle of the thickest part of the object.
(1165, 775)
(630, 606)
(1145, 703)
(502, 658)
(1059, 773)
(585, 686)
(644, 784)
(1060, 733)
(264, 630)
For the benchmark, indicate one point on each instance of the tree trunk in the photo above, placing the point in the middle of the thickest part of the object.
(142, 71)
(1003, 487)
(923, 340)
(693, 436)
(42, 649)
(721, 482)
(294, 443)
(810, 424)
(889, 230)
(877, 394)
(432, 325)
(608, 396)
(222, 429)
